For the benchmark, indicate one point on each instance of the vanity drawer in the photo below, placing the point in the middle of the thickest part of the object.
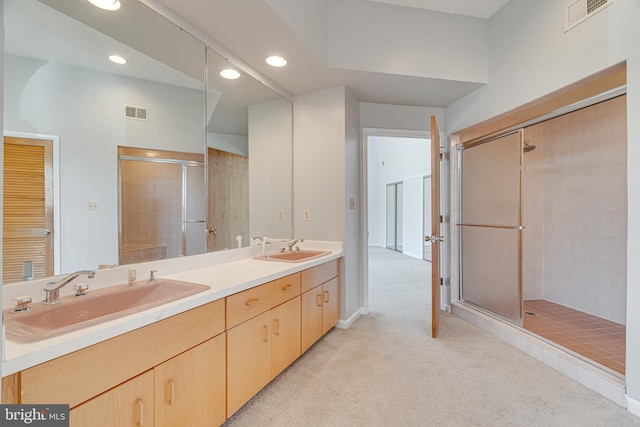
(252, 302)
(83, 374)
(319, 274)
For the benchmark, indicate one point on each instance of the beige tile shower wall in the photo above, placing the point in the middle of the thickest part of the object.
(585, 209)
(532, 204)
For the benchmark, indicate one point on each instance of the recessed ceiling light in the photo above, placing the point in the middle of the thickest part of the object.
(117, 59)
(106, 4)
(276, 61)
(230, 73)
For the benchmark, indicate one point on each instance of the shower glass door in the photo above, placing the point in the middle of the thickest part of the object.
(490, 228)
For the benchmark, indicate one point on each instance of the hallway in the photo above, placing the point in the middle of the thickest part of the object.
(387, 370)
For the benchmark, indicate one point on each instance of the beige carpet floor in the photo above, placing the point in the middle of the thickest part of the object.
(387, 371)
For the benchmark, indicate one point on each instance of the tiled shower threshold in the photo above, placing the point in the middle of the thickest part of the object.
(597, 339)
(600, 379)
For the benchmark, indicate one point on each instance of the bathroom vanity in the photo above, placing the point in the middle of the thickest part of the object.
(195, 361)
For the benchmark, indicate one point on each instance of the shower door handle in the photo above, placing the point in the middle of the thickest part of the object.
(434, 239)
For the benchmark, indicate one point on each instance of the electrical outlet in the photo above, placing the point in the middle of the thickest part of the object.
(280, 215)
(92, 206)
(306, 215)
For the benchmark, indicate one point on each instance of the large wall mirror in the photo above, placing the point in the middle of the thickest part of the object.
(110, 163)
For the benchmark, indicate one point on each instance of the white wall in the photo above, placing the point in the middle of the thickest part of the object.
(85, 109)
(399, 117)
(236, 144)
(325, 176)
(633, 233)
(406, 41)
(532, 56)
(270, 170)
(319, 180)
(319, 165)
(412, 223)
(403, 158)
(354, 295)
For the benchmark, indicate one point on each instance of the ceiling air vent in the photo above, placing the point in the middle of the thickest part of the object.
(579, 10)
(136, 113)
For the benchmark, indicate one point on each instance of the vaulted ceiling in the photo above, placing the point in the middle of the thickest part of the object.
(331, 43)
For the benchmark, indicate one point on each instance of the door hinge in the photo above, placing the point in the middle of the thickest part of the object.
(441, 282)
(441, 218)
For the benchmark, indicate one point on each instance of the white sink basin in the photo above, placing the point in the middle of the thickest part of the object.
(73, 313)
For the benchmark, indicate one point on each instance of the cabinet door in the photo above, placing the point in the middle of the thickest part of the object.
(311, 317)
(248, 360)
(129, 404)
(285, 333)
(331, 304)
(190, 388)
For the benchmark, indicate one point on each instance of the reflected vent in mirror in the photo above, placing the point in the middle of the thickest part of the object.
(136, 113)
(579, 10)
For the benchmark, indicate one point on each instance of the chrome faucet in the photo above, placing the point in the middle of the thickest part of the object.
(292, 243)
(52, 289)
(264, 241)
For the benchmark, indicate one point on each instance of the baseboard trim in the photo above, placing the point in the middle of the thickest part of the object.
(633, 406)
(346, 324)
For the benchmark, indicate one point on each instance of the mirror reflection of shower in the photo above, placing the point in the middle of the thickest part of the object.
(528, 147)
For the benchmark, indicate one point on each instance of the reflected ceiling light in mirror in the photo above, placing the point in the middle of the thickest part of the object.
(106, 4)
(276, 61)
(230, 73)
(117, 59)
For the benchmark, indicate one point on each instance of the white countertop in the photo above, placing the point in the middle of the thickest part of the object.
(224, 277)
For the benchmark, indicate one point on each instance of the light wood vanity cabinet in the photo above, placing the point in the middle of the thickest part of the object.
(320, 302)
(190, 389)
(129, 404)
(155, 374)
(196, 368)
(267, 340)
(184, 389)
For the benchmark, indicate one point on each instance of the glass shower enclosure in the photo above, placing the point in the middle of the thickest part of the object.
(491, 225)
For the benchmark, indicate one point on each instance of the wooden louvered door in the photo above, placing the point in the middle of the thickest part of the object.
(28, 208)
(228, 200)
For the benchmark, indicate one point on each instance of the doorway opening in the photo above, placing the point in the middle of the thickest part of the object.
(394, 159)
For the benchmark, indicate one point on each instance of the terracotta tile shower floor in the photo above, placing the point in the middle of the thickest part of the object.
(598, 339)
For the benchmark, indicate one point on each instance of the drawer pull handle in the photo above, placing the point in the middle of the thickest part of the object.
(326, 296)
(251, 301)
(140, 406)
(171, 395)
(319, 300)
(266, 333)
(276, 326)
(287, 286)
